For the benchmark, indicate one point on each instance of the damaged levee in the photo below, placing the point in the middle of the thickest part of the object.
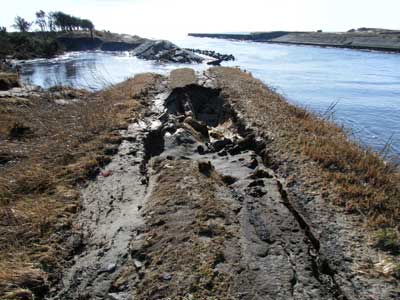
(218, 226)
(191, 210)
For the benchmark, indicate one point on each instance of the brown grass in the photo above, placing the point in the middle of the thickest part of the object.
(56, 148)
(357, 179)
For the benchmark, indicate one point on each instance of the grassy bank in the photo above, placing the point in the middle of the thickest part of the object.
(50, 144)
(319, 155)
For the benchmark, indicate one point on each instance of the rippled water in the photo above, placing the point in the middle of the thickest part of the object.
(365, 85)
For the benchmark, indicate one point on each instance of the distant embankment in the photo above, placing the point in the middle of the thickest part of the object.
(371, 39)
(82, 41)
(258, 37)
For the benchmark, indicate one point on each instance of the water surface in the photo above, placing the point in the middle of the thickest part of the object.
(365, 85)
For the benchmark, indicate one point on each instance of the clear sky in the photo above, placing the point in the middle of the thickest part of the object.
(167, 18)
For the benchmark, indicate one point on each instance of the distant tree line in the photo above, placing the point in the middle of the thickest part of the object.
(54, 21)
(64, 22)
(44, 44)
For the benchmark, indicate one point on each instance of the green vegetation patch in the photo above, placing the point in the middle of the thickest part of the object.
(388, 239)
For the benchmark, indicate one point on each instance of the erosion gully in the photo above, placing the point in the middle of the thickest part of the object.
(274, 252)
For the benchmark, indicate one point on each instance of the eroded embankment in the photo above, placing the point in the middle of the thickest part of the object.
(190, 208)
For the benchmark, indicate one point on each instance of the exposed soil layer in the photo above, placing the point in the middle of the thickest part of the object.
(190, 208)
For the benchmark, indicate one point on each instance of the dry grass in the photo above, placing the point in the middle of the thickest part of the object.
(359, 180)
(46, 151)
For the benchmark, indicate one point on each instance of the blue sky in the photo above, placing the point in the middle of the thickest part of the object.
(167, 18)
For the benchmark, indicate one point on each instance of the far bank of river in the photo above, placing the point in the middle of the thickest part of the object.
(363, 38)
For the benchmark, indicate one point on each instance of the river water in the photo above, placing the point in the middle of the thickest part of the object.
(364, 86)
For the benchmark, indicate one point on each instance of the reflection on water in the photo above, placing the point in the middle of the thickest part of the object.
(366, 85)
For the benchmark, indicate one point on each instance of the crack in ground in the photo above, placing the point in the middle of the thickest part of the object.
(320, 264)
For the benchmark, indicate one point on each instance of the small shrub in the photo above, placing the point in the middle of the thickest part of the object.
(388, 240)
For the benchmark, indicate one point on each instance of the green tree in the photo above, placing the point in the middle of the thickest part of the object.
(87, 25)
(21, 24)
(65, 22)
(50, 21)
(41, 20)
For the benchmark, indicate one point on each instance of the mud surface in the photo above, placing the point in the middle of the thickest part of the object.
(189, 209)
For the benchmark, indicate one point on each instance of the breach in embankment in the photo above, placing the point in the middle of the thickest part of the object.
(192, 186)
